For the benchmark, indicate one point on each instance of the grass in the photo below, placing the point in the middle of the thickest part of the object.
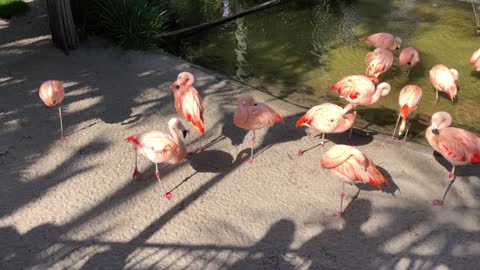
(10, 8)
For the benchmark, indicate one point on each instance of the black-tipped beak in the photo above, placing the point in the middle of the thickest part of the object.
(409, 63)
(177, 86)
(435, 131)
(184, 132)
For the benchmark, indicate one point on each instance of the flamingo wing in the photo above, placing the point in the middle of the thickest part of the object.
(354, 88)
(263, 115)
(459, 146)
(475, 57)
(157, 146)
(189, 104)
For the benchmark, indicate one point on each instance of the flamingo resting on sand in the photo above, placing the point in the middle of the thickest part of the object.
(351, 166)
(475, 59)
(188, 102)
(409, 98)
(409, 57)
(158, 146)
(52, 93)
(383, 40)
(458, 146)
(379, 61)
(327, 118)
(443, 79)
(251, 115)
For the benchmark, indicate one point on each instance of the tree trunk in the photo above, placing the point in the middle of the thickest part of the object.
(62, 26)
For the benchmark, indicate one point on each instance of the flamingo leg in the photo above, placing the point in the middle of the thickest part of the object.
(342, 194)
(62, 138)
(408, 71)
(167, 195)
(250, 160)
(135, 171)
(322, 144)
(309, 134)
(436, 95)
(440, 202)
(396, 125)
(406, 133)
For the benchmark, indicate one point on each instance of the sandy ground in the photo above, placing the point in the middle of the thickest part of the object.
(74, 205)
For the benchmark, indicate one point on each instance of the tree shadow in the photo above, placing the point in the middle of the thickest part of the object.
(475, 74)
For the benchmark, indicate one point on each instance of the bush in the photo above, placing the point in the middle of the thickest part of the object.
(10, 8)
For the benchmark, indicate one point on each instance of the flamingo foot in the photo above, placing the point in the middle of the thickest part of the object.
(168, 195)
(63, 138)
(337, 215)
(136, 173)
(437, 202)
(402, 141)
(450, 175)
(342, 194)
(250, 160)
(299, 152)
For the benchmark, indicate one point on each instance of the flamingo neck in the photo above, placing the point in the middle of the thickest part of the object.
(174, 134)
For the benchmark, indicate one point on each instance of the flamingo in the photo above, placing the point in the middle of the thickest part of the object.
(475, 59)
(158, 146)
(409, 57)
(379, 61)
(251, 115)
(351, 166)
(410, 97)
(458, 146)
(383, 40)
(52, 93)
(327, 118)
(188, 102)
(360, 90)
(443, 79)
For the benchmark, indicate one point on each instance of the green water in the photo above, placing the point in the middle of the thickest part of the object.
(297, 50)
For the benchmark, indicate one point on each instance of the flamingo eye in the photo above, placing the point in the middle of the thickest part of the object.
(332, 120)
(255, 104)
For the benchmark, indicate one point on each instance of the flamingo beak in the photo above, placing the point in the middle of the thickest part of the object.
(435, 131)
(177, 86)
(184, 132)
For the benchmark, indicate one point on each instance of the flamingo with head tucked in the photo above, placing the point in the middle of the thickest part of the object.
(444, 79)
(52, 93)
(188, 102)
(158, 147)
(383, 40)
(409, 57)
(251, 115)
(379, 61)
(409, 99)
(352, 166)
(475, 59)
(327, 118)
(458, 146)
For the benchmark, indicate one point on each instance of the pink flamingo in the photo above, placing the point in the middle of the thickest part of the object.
(158, 146)
(458, 146)
(188, 102)
(351, 166)
(475, 59)
(443, 79)
(360, 90)
(379, 61)
(251, 115)
(383, 40)
(409, 57)
(327, 118)
(408, 100)
(52, 93)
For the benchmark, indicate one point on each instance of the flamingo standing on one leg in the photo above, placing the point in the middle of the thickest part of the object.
(188, 102)
(383, 40)
(443, 79)
(251, 115)
(409, 57)
(159, 146)
(458, 146)
(475, 59)
(351, 166)
(379, 61)
(409, 98)
(327, 118)
(52, 93)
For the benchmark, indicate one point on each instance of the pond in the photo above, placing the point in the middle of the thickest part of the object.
(297, 50)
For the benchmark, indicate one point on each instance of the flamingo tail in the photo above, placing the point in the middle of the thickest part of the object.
(279, 118)
(198, 123)
(405, 111)
(303, 120)
(376, 177)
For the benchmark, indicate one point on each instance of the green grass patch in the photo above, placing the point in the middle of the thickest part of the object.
(10, 8)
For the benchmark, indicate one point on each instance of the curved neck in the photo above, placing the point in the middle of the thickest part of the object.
(378, 94)
(174, 134)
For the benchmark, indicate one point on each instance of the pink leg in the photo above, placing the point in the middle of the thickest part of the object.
(342, 194)
(322, 144)
(136, 173)
(396, 125)
(250, 160)
(62, 138)
(167, 195)
(300, 151)
(451, 175)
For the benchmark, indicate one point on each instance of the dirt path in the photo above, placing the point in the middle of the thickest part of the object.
(73, 205)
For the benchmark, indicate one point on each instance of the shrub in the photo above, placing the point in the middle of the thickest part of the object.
(10, 8)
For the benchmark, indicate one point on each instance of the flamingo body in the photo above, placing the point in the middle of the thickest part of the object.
(379, 61)
(360, 90)
(408, 100)
(409, 57)
(475, 59)
(327, 118)
(187, 101)
(251, 115)
(444, 79)
(383, 40)
(51, 92)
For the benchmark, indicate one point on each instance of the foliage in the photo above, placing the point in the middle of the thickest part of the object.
(10, 8)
